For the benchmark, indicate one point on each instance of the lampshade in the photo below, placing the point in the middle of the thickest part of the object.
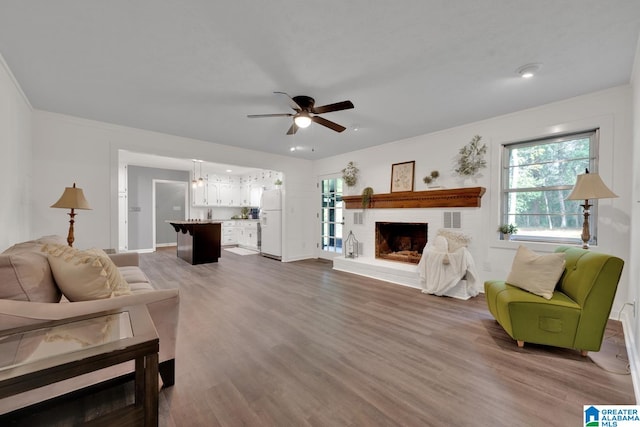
(72, 198)
(590, 186)
(302, 120)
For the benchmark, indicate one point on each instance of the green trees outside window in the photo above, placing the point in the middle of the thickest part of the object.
(537, 176)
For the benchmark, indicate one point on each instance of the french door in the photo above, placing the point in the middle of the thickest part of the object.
(331, 217)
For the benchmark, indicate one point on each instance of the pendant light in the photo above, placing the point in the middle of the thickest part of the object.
(200, 180)
(194, 181)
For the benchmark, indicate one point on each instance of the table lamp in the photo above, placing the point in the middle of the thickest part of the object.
(72, 198)
(589, 186)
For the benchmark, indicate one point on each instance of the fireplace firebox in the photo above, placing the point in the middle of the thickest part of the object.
(401, 241)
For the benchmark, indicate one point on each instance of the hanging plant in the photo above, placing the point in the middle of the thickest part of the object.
(471, 158)
(350, 174)
(367, 193)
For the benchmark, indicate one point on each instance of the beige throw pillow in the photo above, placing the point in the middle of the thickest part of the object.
(455, 240)
(535, 273)
(85, 275)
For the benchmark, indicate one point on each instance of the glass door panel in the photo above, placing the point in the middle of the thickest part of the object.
(331, 217)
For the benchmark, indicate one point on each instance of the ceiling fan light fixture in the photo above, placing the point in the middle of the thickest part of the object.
(528, 71)
(302, 120)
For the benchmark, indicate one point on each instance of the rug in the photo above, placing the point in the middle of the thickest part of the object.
(242, 251)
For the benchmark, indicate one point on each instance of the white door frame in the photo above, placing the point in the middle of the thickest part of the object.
(319, 252)
(153, 202)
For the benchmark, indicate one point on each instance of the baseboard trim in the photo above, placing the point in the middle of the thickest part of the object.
(165, 245)
(632, 353)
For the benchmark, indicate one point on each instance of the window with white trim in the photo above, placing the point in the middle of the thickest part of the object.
(537, 176)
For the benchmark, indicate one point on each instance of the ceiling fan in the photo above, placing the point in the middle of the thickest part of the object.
(305, 113)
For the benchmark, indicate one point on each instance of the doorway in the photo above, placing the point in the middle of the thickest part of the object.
(171, 202)
(331, 217)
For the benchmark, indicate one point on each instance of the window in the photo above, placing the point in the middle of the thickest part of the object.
(537, 177)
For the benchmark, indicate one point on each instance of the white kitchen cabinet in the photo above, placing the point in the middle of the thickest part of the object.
(229, 233)
(245, 195)
(226, 194)
(213, 194)
(255, 194)
(199, 195)
(248, 234)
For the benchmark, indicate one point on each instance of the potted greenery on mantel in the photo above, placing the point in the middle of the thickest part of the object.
(431, 179)
(367, 194)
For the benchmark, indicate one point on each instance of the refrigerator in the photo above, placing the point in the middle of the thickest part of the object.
(271, 224)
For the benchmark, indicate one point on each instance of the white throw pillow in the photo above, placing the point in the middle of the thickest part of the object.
(455, 240)
(85, 275)
(535, 273)
(440, 244)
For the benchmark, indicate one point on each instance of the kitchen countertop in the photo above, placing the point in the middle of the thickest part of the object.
(196, 221)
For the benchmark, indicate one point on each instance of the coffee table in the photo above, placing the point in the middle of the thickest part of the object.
(44, 353)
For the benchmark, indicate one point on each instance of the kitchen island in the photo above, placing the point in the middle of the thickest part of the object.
(198, 241)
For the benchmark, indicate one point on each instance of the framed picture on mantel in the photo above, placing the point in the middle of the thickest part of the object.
(402, 176)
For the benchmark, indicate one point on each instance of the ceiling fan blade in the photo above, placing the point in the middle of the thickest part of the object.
(293, 129)
(328, 123)
(258, 116)
(344, 105)
(293, 104)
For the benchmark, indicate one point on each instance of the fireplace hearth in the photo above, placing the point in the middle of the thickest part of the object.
(401, 241)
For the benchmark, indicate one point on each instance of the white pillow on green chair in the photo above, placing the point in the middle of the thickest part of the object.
(535, 273)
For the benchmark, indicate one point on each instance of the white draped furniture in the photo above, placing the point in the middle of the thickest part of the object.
(447, 268)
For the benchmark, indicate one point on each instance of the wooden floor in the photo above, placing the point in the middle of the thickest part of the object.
(264, 343)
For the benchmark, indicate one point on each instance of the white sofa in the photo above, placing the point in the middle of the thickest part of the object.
(29, 295)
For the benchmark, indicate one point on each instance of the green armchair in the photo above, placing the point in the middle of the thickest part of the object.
(575, 316)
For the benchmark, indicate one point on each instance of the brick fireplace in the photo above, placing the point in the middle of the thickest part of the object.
(400, 241)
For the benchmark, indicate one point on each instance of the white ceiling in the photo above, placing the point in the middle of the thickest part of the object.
(196, 68)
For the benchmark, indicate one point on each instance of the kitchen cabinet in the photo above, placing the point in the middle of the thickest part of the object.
(229, 233)
(248, 236)
(242, 232)
(229, 194)
(254, 196)
(199, 195)
(226, 191)
(198, 241)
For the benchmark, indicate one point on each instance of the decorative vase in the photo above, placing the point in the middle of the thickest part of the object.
(469, 181)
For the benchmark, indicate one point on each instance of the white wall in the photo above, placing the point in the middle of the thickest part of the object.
(68, 149)
(634, 268)
(15, 162)
(610, 110)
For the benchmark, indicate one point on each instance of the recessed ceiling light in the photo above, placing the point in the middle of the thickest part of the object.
(528, 71)
(292, 149)
(229, 171)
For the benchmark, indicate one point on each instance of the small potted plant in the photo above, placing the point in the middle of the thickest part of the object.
(244, 212)
(430, 179)
(367, 193)
(278, 183)
(507, 230)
